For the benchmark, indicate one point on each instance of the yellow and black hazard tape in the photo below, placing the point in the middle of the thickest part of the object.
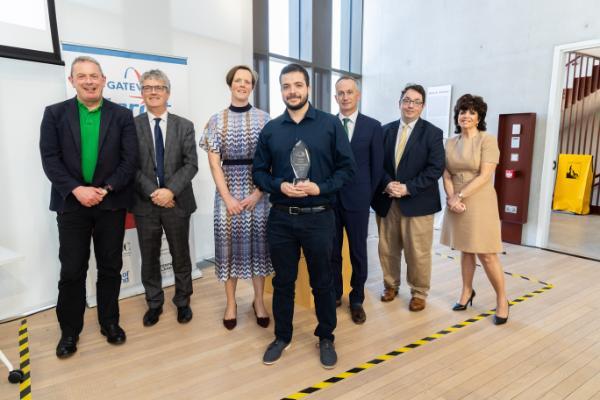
(25, 385)
(427, 339)
(547, 286)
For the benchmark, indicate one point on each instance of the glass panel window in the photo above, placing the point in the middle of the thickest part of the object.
(276, 105)
(334, 106)
(279, 27)
(346, 34)
(340, 34)
(290, 28)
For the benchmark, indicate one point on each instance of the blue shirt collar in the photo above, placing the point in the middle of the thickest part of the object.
(310, 113)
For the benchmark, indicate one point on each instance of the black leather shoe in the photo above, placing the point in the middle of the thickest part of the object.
(462, 307)
(67, 346)
(114, 334)
(502, 320)
(184, 314)
(152, 315)
(357, 312)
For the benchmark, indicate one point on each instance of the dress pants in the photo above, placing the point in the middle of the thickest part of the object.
(286, 235)
(150, 229)
(76, 229)
(357, 228)
(414, 235)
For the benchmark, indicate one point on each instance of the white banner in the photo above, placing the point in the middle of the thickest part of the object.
(123, 70)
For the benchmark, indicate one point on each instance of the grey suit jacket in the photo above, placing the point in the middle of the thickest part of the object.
(181, 164)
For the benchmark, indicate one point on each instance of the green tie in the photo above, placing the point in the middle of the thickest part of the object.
(346, 120)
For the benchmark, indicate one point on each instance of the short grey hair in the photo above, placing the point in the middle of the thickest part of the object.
(349, 78)
(158, 75)
(81, 59)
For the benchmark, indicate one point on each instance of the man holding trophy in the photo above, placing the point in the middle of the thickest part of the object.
(302, 159)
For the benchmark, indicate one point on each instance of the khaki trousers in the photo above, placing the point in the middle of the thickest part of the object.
(414, 236)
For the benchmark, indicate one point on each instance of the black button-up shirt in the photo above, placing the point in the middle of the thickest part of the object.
(331, 160)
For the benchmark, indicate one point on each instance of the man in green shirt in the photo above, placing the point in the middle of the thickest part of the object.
(89, 152)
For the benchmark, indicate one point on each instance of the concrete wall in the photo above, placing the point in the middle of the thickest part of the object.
(213, 35)
(501, 50)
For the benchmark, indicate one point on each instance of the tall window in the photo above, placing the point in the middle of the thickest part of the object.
(325, 36)
(334, 77)
(290, 28)
(346, 35)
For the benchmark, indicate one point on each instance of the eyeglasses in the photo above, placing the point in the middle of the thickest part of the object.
(157, 89)
(407, 102)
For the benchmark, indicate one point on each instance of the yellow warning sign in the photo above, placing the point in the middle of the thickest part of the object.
(573, 188)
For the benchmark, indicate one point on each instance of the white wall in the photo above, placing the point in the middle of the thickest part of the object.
(214, 35)
(501, 50)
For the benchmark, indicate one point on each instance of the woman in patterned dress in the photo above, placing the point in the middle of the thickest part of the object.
(241, 209)
(471, 220)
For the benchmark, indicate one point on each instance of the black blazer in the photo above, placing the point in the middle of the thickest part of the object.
(181, 164)
(421, 166)
(60, 148)
(367, 146)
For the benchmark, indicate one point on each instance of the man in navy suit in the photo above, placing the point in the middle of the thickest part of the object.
(89, 153)
(408, 197)
(354, 199)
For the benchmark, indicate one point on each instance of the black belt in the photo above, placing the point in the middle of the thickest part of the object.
(301, 210)
(242, 161)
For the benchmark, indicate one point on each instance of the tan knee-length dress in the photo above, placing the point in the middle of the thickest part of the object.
(477, 230)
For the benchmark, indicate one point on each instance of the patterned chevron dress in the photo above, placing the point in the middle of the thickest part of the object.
(240, 240)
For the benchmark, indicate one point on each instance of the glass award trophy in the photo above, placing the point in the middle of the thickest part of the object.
(300, 160)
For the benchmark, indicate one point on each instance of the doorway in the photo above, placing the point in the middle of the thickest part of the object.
(573, 128)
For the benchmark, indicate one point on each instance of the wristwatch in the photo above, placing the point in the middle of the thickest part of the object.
(108, 188)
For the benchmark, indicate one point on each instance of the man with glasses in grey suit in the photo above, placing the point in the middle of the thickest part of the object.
(164, 197)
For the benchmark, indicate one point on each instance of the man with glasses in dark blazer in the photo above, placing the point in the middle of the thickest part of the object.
(408, 197)
(164, 198)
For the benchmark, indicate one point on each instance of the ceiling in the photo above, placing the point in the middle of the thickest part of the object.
(594, 51)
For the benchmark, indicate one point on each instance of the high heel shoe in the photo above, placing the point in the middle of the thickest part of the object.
(501, 320)
(462, 307)
(230, 323)
(263, 322)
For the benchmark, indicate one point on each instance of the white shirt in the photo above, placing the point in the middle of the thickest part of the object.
(351, 123)
(411, 126)
(162, 124)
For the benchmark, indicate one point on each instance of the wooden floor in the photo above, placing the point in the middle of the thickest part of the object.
(550, 348)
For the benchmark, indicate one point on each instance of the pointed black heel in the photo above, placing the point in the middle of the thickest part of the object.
(463, 307)
(500, 320)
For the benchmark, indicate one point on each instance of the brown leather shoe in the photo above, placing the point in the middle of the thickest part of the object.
(389, 294)
(358, 314)
(416, 304)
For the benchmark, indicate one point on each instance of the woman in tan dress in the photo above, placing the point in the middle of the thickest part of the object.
(471, 220)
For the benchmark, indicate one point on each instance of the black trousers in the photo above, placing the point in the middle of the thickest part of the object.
(286, 235)
(76, 229)
(177, 228)
(357, 228)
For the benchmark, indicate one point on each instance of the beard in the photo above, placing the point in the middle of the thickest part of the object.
(297, 106)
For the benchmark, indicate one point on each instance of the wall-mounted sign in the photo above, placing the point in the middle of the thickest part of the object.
(515, 142)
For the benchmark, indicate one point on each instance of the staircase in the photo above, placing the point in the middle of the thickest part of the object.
(580, 117)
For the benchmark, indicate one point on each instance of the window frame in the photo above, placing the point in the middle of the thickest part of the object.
(320, 63)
